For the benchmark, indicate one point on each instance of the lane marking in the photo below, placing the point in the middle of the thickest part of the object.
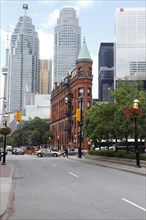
(73, 174)
(134, 204)
(53, 164)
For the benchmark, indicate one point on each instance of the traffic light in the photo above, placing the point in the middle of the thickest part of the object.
(78, 114)
(18, 116)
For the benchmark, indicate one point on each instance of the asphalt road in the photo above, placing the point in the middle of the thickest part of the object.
(60, 188)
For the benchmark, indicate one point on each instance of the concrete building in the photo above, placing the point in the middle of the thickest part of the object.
(67, 43)
(105, 71)
(45, 76)
(23, 66)
(130, 47)
(36, 105)
(71, 94)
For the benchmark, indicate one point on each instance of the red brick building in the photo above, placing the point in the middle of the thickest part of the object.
(74, 92)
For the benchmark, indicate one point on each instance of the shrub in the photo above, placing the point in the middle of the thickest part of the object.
(119, 154)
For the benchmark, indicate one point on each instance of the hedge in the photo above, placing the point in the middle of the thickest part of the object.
(119, 154)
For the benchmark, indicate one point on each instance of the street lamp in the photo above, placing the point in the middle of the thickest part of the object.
(49, 142)
(5, 138)
(135, 106)
(58, 140)
(80, 126)
(133, 113)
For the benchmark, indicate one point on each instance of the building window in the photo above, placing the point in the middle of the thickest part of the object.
(80, 71)
(89, 72)
(81, 92)
(88, 104)
(89, 92)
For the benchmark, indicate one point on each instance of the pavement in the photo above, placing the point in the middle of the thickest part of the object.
(7, 172)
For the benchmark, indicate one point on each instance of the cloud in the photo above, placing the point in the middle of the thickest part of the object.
(46, 44)
(83, 4)
(50, 20)
(44, 2)
(3, 36)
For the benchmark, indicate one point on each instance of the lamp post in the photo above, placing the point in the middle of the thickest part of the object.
(49, 141)
(80, 126)
(58, 140)
(5, 138)
(135, 106)
(133, 114)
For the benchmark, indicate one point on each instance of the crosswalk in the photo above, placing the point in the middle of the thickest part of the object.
(29, 157)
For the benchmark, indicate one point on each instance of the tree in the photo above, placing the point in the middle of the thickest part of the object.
(107, 120)
(33, 133)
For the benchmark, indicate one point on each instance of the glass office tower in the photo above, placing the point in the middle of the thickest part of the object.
(130, 47)
(67, 43)
(23, 66)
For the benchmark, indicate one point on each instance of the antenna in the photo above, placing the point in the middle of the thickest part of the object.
(7, 37)
(25, 7)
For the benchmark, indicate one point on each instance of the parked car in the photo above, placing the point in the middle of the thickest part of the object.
(18, 151)
(48, 152)
(105, 148)
(72, 151)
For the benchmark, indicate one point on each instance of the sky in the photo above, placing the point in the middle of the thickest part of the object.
(96, 19)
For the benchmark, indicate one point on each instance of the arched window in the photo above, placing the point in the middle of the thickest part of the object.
(80, 71)
(89, 72)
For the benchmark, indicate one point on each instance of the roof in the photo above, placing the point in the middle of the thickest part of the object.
(84, 54)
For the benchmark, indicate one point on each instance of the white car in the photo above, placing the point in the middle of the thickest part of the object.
(48, 152)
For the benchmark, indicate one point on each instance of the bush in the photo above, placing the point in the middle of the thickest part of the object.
(119, 154)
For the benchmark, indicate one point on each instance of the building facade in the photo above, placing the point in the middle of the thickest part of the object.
(130, 49)
(67, 43)
(45, 76)
(72, 94)
(23, 66)
(105, 71)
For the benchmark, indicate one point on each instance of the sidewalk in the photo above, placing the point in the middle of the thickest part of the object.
(6, 175)
(114, 164)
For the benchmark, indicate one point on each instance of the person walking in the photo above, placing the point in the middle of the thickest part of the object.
(66, 152)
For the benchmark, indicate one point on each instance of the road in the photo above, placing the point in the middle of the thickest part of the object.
(59, 188)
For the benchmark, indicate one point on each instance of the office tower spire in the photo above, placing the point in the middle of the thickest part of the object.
(23, 68)
(25, 7)
(67, 43)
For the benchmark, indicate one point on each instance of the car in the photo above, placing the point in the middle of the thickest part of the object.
(48, 152)
(18, 151)
(72, 151)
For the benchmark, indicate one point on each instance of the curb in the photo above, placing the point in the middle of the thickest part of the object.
(114, 165)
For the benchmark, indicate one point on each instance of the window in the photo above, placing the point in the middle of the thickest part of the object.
(89, 72)
(88, 92)
(80, 71)
(88, 104)
(81, 92)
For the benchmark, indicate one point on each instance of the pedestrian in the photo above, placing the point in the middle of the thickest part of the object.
(66, 152)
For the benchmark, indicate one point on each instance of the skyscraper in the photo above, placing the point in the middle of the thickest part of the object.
(130, 49)
(23, 66)
(45, 76)
(105, 70)
(67, 43)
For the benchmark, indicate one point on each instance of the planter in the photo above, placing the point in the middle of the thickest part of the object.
(5, 131)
